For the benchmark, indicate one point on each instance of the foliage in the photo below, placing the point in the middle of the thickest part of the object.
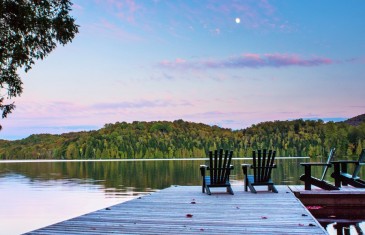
(29, 30)
(181, 139)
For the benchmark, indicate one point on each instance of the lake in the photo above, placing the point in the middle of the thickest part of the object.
(35, 194)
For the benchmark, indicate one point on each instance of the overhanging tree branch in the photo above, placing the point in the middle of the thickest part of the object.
(29, 30)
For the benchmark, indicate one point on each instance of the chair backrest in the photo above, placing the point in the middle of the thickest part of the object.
(220, 166)
(331, 155)
(263, 164)
(358, 165)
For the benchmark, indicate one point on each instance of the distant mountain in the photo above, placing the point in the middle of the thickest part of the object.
(355, 121)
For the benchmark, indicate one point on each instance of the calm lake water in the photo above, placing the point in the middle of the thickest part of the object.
(37, 194)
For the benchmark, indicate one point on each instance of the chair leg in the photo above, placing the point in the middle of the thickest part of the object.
(348, 181)
(252, 189)
(273, 189)
(229, 190)
(208, 191)
(361, 181)
(357, 183)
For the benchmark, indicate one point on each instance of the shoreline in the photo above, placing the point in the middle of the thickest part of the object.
(126, 160)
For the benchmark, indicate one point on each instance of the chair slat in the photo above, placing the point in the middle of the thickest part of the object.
(228, 156)
(219, 167)
(331, 155)
(263, 166)
(215, 166)
(358, 165)
(224, 169)
(211, 166)
(256, 165)
(271, 165)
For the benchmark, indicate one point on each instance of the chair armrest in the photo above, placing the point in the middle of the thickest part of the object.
(269, 167)
(341, 165)
(315, 164)
(245, 167)
(203, 168)
(345, 161)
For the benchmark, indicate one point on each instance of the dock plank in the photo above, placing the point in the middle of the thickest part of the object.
(166, 211)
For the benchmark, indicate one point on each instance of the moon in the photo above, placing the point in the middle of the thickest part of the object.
(238, 20)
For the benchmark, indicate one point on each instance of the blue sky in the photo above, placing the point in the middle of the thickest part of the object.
(193, 60)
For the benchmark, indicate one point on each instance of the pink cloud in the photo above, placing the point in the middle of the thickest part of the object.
(177, 63)
(77, 7)
(116, 31)
(216, 17)
(254, 14)
(61, 110)
(61, 114)
(141, 104)
(180, 61)
(123, 9)
(269, 9)
(278, 60)
(128, 10)
(249, 61)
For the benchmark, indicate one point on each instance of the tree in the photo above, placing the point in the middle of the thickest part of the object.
(29, 30)
(72, 151)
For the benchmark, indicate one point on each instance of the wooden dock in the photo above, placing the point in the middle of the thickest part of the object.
(186, 210)
(345, 205)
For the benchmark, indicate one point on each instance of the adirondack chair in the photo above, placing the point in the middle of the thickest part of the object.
(342, 177)
(321, 183)
(220, 168)
(344, 227)
(262, 167)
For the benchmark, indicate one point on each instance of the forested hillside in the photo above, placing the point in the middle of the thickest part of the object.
(181, 139)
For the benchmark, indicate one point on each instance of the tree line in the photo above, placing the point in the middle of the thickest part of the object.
(182, 139)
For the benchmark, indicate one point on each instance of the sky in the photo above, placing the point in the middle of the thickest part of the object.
(231, 63)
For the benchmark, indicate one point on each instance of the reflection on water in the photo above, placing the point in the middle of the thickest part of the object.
(345, 228)
(340, 219)
(37, 194)
(28, 204)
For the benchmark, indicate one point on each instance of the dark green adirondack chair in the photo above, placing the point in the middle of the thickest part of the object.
(309, 180)
(220, 169)
(262, 166)
(342, 177)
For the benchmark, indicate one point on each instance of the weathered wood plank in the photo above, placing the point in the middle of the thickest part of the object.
(185, 210)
